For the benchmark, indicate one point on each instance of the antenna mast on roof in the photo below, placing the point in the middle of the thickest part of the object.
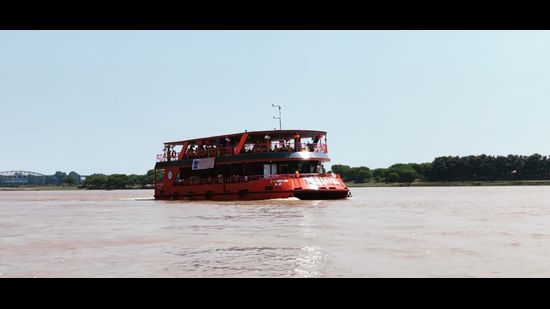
(278, 106)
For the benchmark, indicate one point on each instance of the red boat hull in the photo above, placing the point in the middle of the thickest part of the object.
(311, 187)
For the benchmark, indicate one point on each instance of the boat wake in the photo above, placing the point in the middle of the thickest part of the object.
(285, 199)
(137, 198)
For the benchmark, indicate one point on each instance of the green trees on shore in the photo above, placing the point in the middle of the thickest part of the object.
(455, 168)
(73, 179)
(118, 181)
(395, 173)
(484, 167)
(357, 174)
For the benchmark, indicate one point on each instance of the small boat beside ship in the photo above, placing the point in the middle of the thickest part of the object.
(248, 166)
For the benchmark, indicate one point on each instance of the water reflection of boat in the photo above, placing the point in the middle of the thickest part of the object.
(248, 166)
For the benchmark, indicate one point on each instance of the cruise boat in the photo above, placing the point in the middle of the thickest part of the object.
(248, 166)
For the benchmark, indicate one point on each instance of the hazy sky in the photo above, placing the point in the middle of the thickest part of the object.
(105, 101)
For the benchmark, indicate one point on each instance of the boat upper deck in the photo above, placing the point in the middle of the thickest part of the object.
(273, 134)
(294, 144)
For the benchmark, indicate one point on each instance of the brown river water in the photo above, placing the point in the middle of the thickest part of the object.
(380, 232)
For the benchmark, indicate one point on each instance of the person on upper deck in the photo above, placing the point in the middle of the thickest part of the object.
(281, 146)
(297, 142)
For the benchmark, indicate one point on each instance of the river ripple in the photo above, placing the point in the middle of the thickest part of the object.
(381, 232)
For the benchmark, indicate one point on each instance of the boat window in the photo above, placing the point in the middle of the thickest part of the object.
(283, 169)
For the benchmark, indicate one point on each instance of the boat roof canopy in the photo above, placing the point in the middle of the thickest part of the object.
(273, 134)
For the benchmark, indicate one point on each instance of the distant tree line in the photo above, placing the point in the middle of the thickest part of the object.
(395, 173)
(95, 181)
(454, 168)
(483, 167)
(447, 168)
(119, 181)
(57, 179)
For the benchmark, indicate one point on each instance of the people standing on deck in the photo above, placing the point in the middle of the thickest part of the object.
(297, 142)
(267, 145)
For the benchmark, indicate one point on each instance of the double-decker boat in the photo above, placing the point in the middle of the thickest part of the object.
(248, 166)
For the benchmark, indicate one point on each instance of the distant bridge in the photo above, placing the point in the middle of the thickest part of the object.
(22, 173)
(18, 177)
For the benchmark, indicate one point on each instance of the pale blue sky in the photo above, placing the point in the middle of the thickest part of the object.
(105, 101)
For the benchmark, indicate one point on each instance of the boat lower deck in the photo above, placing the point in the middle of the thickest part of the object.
(307, 188)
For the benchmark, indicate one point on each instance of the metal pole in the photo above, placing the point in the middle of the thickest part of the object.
(279, 107)
(280, 125)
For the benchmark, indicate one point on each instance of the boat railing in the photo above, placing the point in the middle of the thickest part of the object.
(289, 147)
(197, 154)
(230, 151)
(209, 152)
(241, 179)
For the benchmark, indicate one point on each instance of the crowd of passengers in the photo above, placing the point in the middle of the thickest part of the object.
(206, 151)
(297, 170)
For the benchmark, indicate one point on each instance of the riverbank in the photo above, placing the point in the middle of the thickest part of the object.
(349, 184)
(454, 183)
(38, 188)
(58, 188)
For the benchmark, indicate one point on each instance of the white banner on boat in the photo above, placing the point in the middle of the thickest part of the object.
(202, 164)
